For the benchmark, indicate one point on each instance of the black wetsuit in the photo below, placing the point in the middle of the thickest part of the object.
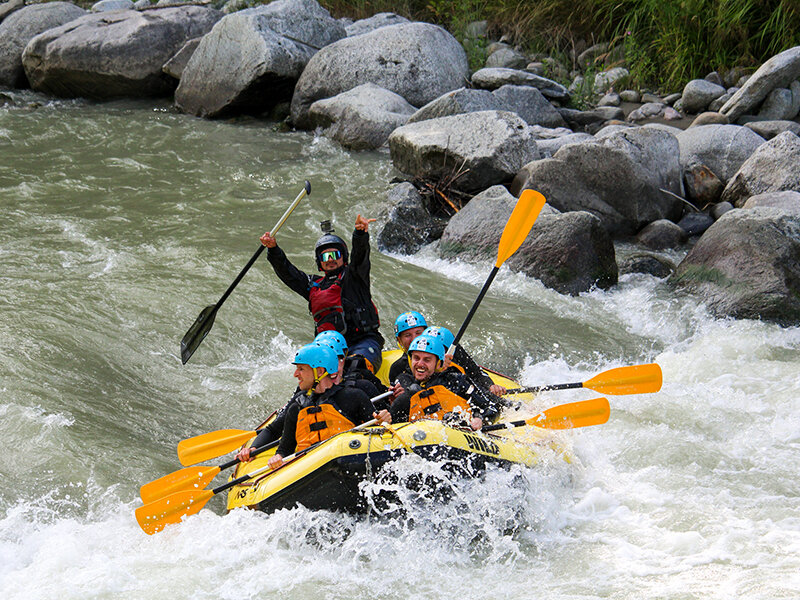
(483, 404)
(350, 401)
(360, 315)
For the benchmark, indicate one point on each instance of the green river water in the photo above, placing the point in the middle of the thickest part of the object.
(121, 221)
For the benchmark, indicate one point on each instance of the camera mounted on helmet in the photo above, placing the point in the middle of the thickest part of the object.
(329, 242)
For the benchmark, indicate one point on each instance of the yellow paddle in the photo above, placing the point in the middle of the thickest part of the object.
(637, 379)
(517, 228)
(214, 444)
(154, 516)
(564, 416)
(190, 477)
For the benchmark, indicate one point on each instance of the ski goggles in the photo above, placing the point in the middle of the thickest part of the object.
(330, 255)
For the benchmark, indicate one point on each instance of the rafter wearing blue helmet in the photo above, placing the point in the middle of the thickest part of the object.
(407, 326)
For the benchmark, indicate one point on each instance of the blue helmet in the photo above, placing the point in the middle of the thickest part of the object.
(427, 343)
(408, 320)
(333, 339)
(316, 355)
(443, 333)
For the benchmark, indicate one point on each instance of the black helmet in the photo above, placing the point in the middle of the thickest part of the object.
(329, 240)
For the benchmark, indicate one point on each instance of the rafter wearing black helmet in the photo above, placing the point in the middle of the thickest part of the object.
(340, 299)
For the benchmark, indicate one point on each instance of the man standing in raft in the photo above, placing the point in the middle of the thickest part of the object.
(340, 299)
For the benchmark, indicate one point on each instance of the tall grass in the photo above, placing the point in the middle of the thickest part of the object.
(666, 42)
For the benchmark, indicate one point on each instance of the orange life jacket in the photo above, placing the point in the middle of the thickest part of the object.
(435, 402)
(317, 423)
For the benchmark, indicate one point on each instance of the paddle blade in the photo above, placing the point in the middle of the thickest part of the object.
(519, 224)
(190, 478)
(638, 379)
(211, 445)
(197, 332)
(573, 415)
(153, 517)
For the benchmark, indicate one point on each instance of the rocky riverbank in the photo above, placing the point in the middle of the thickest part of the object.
(713, 168)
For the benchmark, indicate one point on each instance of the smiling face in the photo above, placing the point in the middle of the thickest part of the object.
(423, 364)
(406, 337)
(305, 377)
(332, 263)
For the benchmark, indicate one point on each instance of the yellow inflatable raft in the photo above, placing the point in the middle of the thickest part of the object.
(327, 475)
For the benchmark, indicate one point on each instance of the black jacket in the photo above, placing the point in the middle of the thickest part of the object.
(360, 314)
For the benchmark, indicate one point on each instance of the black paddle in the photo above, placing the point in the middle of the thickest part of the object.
(202, 325)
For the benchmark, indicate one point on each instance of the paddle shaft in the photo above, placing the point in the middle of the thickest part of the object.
(545, 388)
(471, 313)
(306, 190)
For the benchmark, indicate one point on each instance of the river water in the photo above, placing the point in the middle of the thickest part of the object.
(121, 221)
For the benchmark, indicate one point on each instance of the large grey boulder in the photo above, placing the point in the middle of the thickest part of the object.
(747, 265)
(114, 54)
(769, 129)
(174, 66)
(252, 59)
(627, 179)
(20, 27)
(788, 201)
(570, 253)
(361, 118)
(410, 224)
(661, 235)
(471, 151)
(530, 104)
(774, 167)
(418, 61)
(494, 77)
(778, 72)
(374, 22)
(722, 148)
(457, 102)
(6, 8)
(779, 105)
(698, 94)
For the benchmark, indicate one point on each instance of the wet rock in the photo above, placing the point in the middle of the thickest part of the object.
(618, 178)
(418, 61)
(64, 61)
(778, 72)
(661, 235)
(702, 186)
(20, 27)
(771, 168)
(699, 93)
(174, 66)
(374, 22)
(252, 59)
(747, 265)
(695, 223)
(361, 118)
(570, 253)
(788, 201)
(723, 148)
(769, 129)
(490, 145)
(410, 224)
(493, 78)
(647, 264)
